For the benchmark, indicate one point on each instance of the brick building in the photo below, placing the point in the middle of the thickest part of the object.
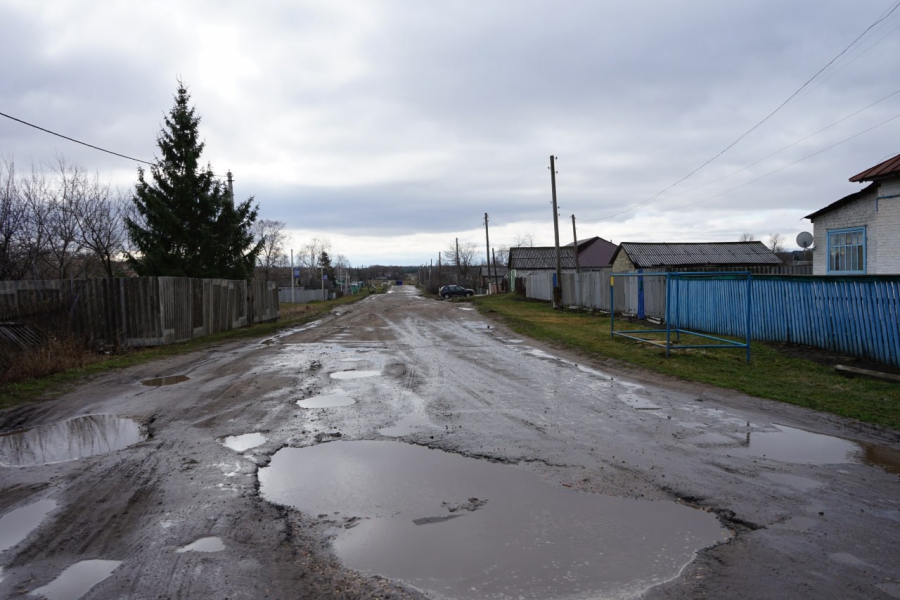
(860, 233)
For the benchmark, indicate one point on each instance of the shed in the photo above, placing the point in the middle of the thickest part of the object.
(631, 256)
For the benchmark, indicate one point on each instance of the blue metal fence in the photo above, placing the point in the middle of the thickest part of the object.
(859, 316)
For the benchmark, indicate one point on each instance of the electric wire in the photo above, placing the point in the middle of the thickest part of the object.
(884, 16)
(65, 137)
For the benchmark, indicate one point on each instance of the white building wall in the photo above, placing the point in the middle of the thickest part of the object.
(888, 242)
(860, 213)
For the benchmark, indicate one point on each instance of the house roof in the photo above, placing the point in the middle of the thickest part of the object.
(587, 241)
(697, 254)
(843, 201)
(499, 270)
(537, 258)
(888, 168)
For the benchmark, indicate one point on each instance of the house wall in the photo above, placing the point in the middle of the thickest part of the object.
(881, 219)
(888, 242)
(623, 264)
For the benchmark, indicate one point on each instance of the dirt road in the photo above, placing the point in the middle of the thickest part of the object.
(433, 453)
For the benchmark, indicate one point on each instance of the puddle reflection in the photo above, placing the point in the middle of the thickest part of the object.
(68, 440)
(207, 544)
(516, 537)
(75, 581)
(167, 380)
(333, 400)
(791, 445)
(343, 375)
(17, 524)
(239, 443)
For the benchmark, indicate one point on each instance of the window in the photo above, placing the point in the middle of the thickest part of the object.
(847, 251)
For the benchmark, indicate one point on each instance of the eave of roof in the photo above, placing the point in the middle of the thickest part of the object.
(843, 201)
(888, 168)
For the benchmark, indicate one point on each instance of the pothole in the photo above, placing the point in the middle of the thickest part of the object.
(512, 534)
(239, 443)
(207, 544)
(787, 444)
(332, 400)
(74, 582)
(75, 438)
(344, 375)
(167, 380)
(17, 524)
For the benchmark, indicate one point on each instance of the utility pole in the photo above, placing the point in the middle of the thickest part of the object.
(494, 259)
(293, 298)
(440, 276)
(575, 240)
(487, 249)
(557, 289)
(457, 261)
(230, 186)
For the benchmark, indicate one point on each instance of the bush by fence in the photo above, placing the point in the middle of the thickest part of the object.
(139, 311)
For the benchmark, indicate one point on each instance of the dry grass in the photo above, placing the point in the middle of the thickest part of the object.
(55, 354)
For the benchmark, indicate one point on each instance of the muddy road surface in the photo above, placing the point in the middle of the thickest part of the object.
(404, 447)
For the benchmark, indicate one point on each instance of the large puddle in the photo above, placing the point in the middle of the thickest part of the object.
(68, 440)
(345, 375)
(239, 443)
(787, 444)
(17, 524)
(464, 528)
(207, 544)
(74, 582)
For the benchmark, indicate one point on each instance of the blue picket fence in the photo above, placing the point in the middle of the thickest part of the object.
(859, 316)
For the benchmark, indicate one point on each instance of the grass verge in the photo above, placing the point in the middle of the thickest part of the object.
(86, 364)
(771, 373)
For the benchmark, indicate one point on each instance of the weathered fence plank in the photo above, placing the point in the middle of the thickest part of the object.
(139, 311)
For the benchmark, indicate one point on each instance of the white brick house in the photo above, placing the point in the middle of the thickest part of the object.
(860, 233)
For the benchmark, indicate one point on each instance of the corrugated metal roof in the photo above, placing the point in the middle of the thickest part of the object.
(540, 257)
(887, 168)
(713, 253)
(500, 271)
(845, 200)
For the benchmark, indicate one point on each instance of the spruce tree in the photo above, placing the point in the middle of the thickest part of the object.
(187, 224)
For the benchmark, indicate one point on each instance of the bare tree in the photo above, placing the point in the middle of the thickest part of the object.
(523, 240)
(101, 219)
(776, 242)
(463, 261)
(66, 201)
(309, 257)
(747, 237)
(34, 192)
(13, 226)
(274, 237)
(501, 256)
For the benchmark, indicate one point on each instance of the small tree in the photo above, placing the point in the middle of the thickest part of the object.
(776, 242)
(187, 223)
(272, 236)
(746, 237)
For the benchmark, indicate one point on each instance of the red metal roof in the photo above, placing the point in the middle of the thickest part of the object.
(888, 168)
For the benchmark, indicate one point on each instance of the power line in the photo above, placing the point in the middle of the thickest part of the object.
(65, 137)
(884, 16)
(782, 168)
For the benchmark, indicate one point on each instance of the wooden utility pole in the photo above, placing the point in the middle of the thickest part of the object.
(487, 250)
(557, 289)
(575, 241)
(440, 276)
(494, 258)
(457, 261)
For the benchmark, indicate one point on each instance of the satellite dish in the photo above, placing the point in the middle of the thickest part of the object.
(804, 239)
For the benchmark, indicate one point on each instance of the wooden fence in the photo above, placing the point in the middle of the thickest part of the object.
(139, 311)
(858, 316)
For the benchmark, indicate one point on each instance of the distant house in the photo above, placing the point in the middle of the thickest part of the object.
(525, 260)
(632, 256)
(595, 252)
(487, 276)
(860, 233)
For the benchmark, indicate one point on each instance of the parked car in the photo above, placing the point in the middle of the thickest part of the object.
(449, 291)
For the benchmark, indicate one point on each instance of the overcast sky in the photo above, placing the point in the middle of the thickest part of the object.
(390, 127)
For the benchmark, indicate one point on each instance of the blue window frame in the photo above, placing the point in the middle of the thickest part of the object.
(847, 251)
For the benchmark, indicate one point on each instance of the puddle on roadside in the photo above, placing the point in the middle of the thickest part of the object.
(529, 540)
(17, 524)
(167, 380)
(791, 445)
(207, 544)
(344, 375)
(333, 400)
(75, 438)
(74, 582)
(239, 443)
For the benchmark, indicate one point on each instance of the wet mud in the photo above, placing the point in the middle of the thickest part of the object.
(167, 380)
(589, 443)
(74, 582)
